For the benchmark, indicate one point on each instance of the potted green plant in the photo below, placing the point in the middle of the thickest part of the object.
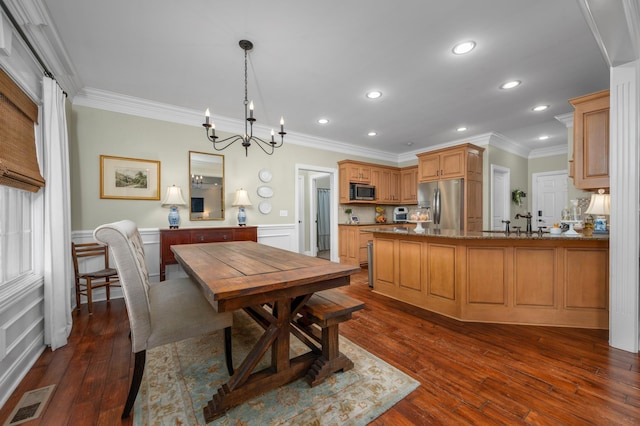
(517, 195)
(348, 212)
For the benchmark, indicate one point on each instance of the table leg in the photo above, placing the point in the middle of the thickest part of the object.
(245, 383)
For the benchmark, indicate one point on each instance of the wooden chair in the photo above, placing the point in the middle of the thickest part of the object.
(162, 312)
(87, 281)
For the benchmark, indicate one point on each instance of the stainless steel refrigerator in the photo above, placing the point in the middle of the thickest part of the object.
(446, 201)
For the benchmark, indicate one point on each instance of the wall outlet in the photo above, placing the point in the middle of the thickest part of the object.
(284, 213)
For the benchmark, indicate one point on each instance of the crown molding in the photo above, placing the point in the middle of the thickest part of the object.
(124, 104)
(34, 20)
(566, 119)
(548, 151)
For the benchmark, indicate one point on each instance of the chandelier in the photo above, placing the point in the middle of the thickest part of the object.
(267, 146)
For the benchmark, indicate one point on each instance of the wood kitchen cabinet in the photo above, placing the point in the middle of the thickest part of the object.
(388, 185)
(409, 185)
(590, 163)
(353, 172)
(442, 164)
(356, 172)
(462, 161)
(497, 279)
(353, 240)
(172, 237)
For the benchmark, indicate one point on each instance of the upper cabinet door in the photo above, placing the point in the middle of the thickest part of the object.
(591, 141)
(429, 168)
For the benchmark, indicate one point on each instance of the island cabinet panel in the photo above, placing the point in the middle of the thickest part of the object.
(487, 275)
(441, 271)
(586, 279)
(410, 265)
(535, 276)
(484, 277)
(385, 260)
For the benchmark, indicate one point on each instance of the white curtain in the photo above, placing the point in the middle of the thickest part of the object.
(58, 275)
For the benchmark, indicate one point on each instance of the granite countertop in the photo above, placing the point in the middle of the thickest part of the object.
(475, 235)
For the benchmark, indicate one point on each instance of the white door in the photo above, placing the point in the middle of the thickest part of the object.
(549, 197)
(500, 200)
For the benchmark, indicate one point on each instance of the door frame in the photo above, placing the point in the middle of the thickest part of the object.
(333, 210)
(506, 187)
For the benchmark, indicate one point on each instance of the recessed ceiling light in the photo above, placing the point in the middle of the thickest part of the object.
(464, 47)
(543, 138)
(510, 84)
(374, 94)
(372, 134)
(323, 121)
(461, 129)
(539, 108)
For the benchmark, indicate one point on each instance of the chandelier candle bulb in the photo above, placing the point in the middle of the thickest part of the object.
(251, 110)
(272, 134)
(281, 124)
(207, 115)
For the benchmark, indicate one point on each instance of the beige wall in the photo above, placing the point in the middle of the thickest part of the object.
(519, 179)
(94, 132)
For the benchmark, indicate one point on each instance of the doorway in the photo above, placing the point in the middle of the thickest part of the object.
(310, 182)
(549, 196)
(500, 199)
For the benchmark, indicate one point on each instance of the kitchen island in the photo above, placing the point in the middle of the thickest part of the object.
(493, 277)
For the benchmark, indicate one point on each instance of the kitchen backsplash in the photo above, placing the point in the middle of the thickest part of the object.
(366, 213)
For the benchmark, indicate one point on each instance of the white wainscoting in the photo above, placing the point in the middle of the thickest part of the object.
(21, 331)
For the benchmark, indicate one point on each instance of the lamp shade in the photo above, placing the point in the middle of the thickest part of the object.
(173, 197)
(241, 199)
(600, 204)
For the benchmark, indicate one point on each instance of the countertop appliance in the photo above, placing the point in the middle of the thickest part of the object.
(400, 215)
(446, 200)
(360, 191)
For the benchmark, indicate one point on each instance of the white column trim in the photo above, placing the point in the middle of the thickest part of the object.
(624, 244)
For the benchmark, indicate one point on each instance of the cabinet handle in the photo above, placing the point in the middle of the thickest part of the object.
(225, 237)
(201, 238)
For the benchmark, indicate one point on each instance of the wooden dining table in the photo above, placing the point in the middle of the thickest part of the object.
(271, 285)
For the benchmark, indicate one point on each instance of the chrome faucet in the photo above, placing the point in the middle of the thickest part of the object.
(506, 226)
(528, 217)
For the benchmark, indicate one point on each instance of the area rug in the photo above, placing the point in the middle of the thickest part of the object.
(180, 378)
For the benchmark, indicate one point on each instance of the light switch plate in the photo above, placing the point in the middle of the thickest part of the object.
(284, 213)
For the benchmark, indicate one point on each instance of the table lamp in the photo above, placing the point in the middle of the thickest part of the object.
(173, 199)
(241, 201)
(599, 206)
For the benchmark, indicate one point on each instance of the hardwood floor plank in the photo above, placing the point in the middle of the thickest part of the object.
(469, 373)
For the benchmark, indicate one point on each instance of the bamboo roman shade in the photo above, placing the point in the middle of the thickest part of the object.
(18, 160)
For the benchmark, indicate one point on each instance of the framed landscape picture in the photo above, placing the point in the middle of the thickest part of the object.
(129, 178)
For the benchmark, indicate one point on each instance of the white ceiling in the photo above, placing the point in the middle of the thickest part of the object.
(317, 59)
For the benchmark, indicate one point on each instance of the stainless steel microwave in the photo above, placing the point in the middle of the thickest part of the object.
(360, 191)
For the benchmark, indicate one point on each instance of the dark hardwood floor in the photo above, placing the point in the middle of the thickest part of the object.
(469, 373)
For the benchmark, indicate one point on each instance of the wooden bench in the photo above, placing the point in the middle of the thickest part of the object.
(326, 309)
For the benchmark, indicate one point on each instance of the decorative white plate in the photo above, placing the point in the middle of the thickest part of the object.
(265, 191)
(264, 207)
(265, 175)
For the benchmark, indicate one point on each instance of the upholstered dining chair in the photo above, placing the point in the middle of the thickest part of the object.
(162, 312)
(86, 282)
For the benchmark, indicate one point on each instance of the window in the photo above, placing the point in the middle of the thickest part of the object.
(16, 236)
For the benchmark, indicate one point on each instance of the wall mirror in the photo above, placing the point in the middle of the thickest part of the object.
(206, 192)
